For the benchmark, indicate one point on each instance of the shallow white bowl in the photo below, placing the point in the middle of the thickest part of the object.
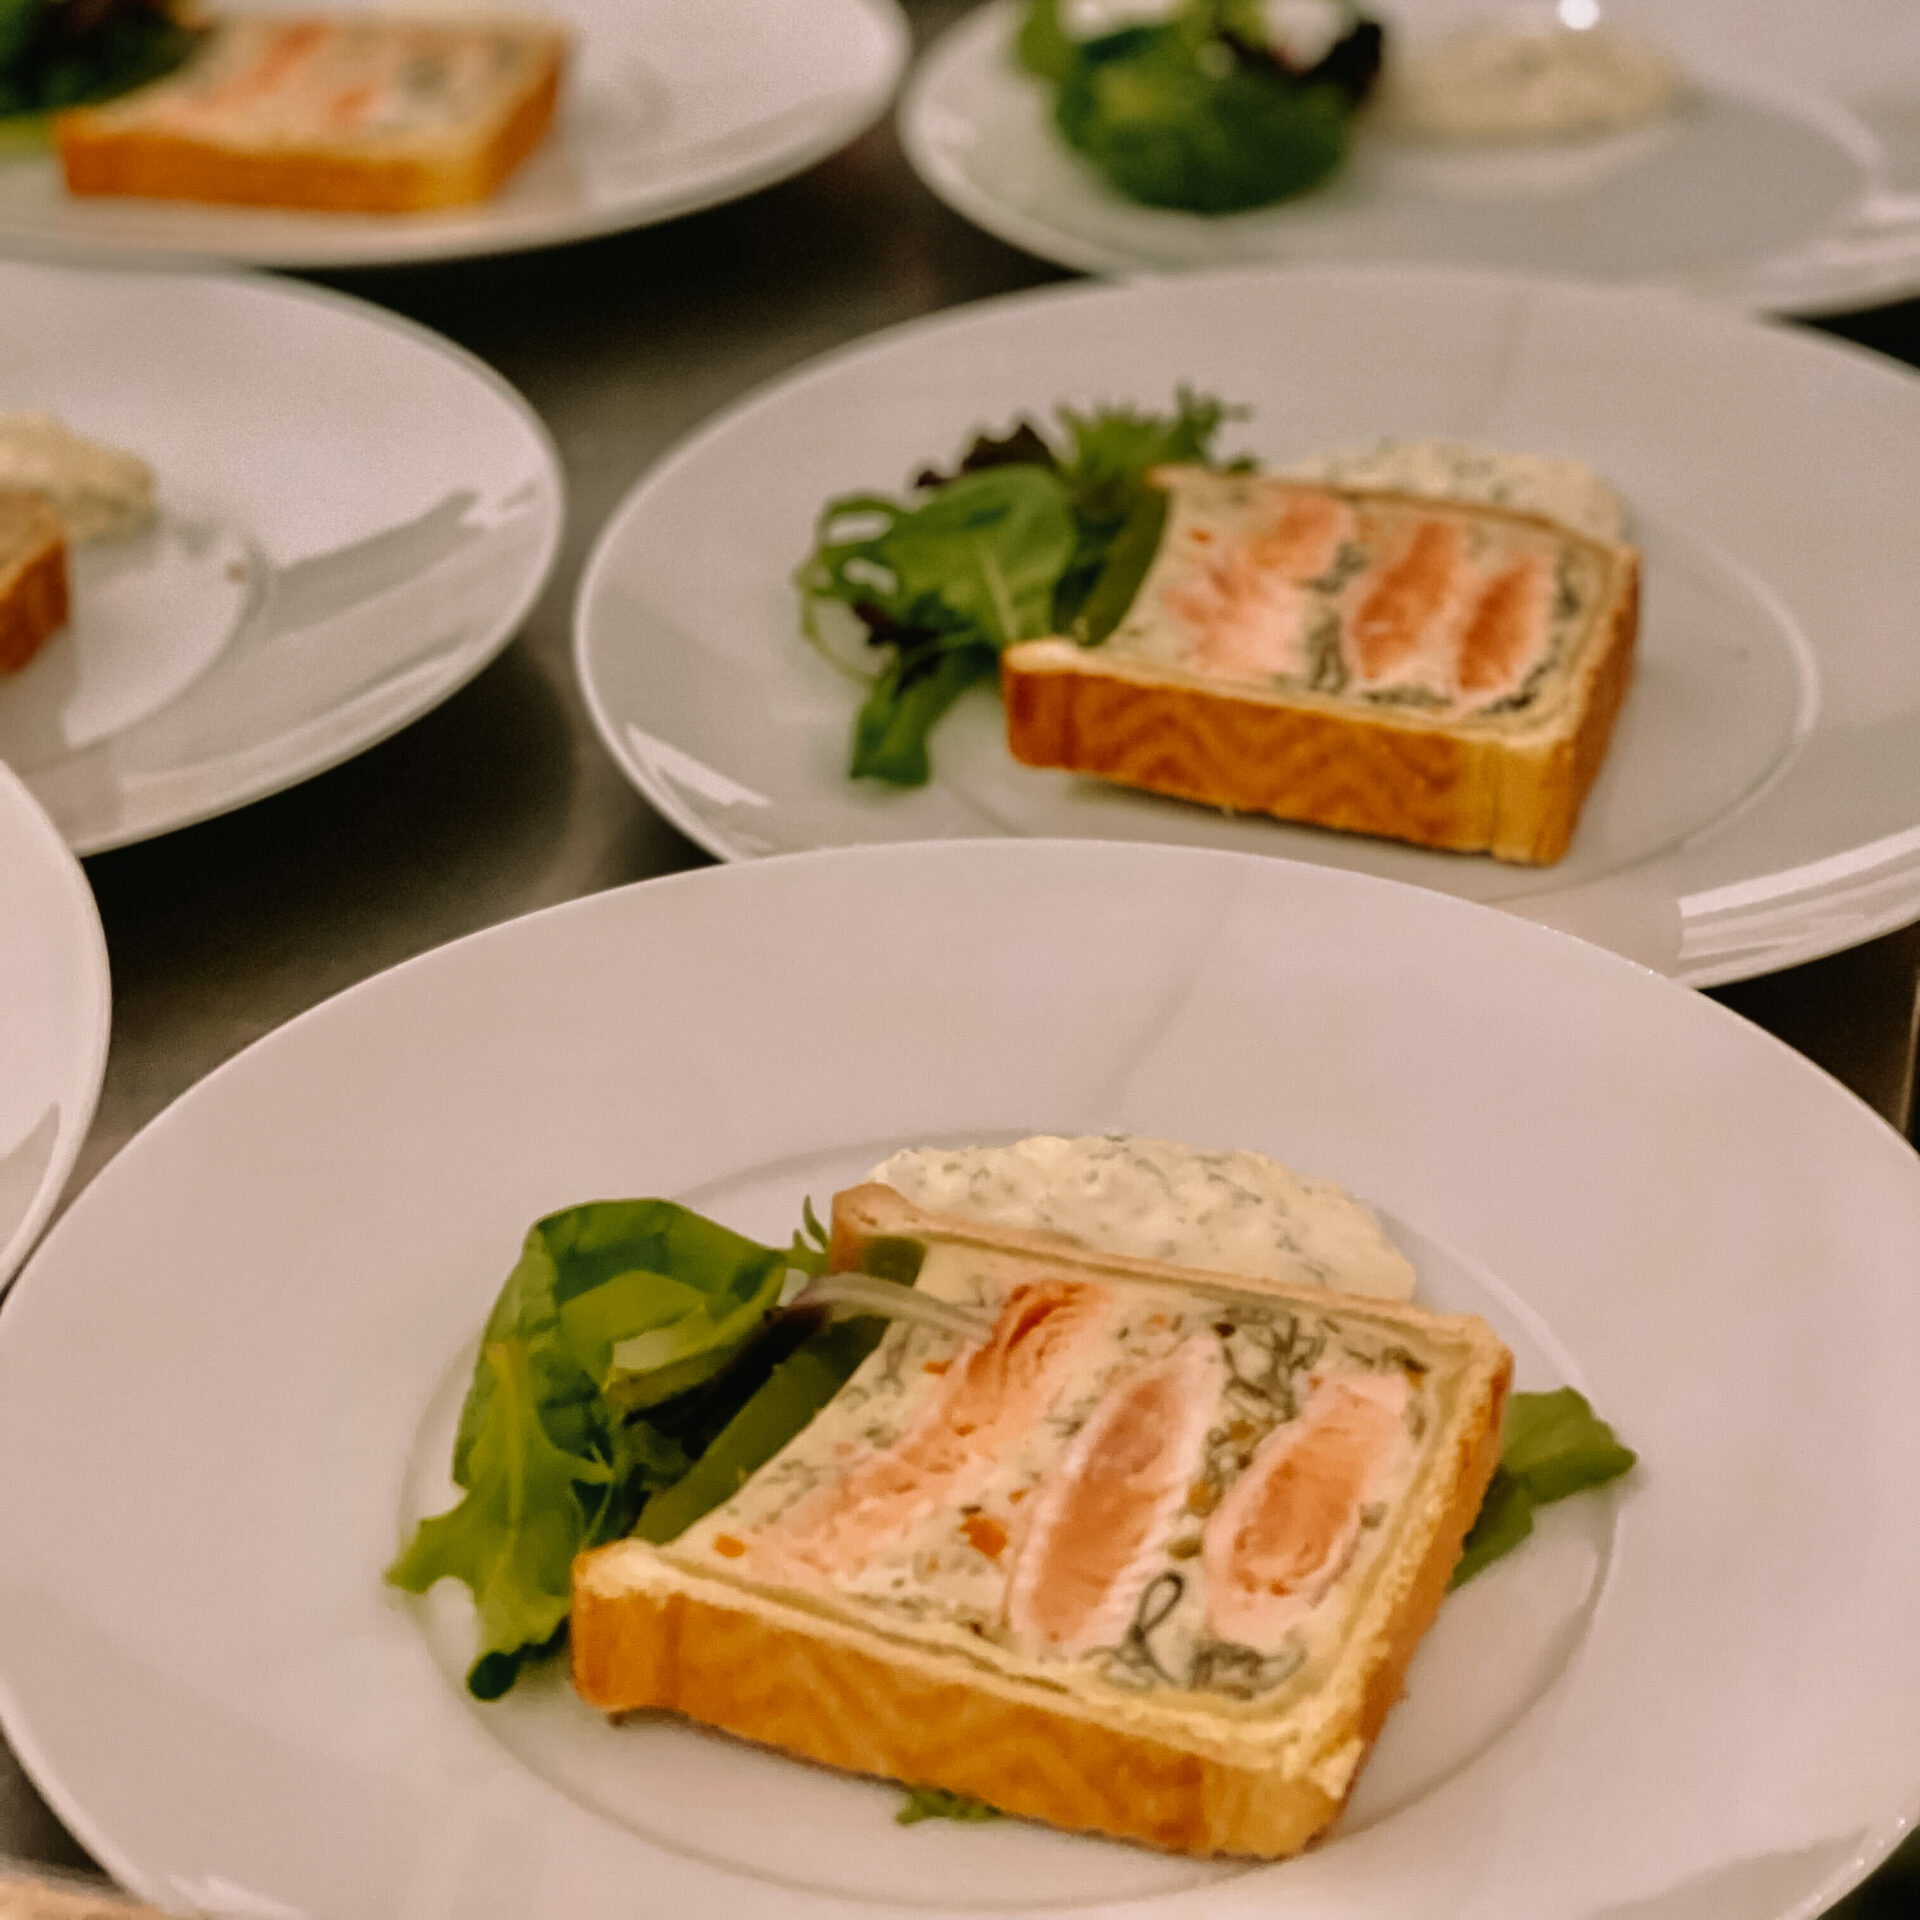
(226, 1378)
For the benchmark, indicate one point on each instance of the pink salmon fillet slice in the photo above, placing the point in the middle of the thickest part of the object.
(1507, 631)
(1289, 1525)
(1245, 605)
(1098, 1532)
(987, 1402)
(1403, 607)
(285, 53)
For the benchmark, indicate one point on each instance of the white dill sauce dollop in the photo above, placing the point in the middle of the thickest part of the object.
(1229, 1211)
(1504, 82)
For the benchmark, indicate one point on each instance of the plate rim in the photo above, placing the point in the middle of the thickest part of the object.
(90, 1069)
(1875, 1842)
(1794, 946)
(350, 309)
(1832, 288)
(420, 246)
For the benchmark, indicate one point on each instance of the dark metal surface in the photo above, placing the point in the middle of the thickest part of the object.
(503, 801)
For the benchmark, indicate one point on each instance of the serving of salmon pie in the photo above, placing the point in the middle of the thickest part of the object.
(1442, 672)
(366, 113)
(1145, 1553)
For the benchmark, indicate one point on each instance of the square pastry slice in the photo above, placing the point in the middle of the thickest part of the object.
(1373, 661)
(33, 576)
(346, 113)
(1146, 1556)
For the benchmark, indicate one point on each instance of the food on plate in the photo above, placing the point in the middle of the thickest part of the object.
(362, 113)
(60, 53)
(1471, 713)
(98, 491)
(1212, 106)
(1502, 83)
(1230, 1212)
(643, 1365)
(33, 577)
(1371, 661)
(1149, 1558)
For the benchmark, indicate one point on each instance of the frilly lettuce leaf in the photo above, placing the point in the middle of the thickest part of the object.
(1013, 545)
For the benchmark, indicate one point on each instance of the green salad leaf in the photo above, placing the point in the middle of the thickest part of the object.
(936, 1803)
(796, 1389)
(513, 1538)
(1201, 111)
(1026, 538)
(68, 53)
(1554, 1444)
(1551, 1445)
(626, 1338)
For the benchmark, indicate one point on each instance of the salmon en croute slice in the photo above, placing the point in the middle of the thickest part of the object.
(1147, 1557)
(346, 113)
(1435, 671)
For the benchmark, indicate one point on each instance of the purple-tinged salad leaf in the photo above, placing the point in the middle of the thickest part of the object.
(1026, 537)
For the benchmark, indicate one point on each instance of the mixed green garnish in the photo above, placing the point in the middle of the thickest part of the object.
(67, 53)
(1204, 110)
(1028, 536)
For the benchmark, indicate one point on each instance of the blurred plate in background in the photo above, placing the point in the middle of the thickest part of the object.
(668, 105)
(354, 518)
(55, 1013)
(1790, 182)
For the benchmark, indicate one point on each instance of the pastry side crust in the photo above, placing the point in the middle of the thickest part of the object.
(102, 156)
(34, 602)
(875, 1709)
(1172, 1771)
(1361, 769)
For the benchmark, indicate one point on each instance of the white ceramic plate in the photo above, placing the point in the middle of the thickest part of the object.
(228, 1376)
(1761, 801)
(1790, 184)
(55, 1011)
(670, 105)
(355, 516)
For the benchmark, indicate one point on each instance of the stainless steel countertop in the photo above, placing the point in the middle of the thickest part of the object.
(503, 801)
